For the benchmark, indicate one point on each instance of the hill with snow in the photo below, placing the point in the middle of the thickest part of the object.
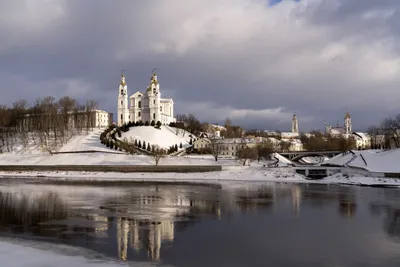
(165, 137)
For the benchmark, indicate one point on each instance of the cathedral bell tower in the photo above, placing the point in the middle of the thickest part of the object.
(154, 99)
(123, 111)
(295, 124)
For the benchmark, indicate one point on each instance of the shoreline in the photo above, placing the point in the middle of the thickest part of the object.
(216, 179)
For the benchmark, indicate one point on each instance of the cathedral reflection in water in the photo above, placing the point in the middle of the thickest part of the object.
(158, 224)
(143, 219)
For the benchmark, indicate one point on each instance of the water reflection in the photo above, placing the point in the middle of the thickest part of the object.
(24, 211)
(141, 222)
(388, 206)
(347, 202)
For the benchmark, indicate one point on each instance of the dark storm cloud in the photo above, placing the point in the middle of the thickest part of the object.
(237, 59)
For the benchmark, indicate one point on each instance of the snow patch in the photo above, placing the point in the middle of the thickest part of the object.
(165, 137)
(18, 253)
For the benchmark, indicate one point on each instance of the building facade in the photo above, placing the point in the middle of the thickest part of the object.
(75, 119)
(147, 106)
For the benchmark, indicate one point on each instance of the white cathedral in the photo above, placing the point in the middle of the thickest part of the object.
(147, 106)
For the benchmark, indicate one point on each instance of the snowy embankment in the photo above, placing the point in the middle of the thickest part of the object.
(229, 173)
(18, 253)
(360, 180)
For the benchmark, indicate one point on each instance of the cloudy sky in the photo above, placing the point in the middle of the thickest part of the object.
(254, 61)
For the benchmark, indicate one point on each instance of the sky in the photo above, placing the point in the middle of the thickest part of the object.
(254, 61)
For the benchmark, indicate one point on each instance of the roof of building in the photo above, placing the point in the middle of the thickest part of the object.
(361, 135)
(337, 130)
(289, 135)
(237, 141)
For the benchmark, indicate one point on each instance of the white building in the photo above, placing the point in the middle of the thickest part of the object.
(201, 143)
(147, 106)
(231, 146)
(294, 134)
(102, 118)
(363, 141)
(295, 124)
(81, 118)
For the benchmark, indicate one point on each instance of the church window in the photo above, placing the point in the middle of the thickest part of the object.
(122, 91)
(140, 104)
(154, 101)
(154, 116)
(154, 90)
(139, 114)
(121, 117)
(161, 109)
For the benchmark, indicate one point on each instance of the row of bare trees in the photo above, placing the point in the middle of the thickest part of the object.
(47, 123)
(386, 134)
(318, 141)
(191, 124)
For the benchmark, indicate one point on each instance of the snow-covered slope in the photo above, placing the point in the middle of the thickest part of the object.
(85, 142)
(164, 137)
(81, 142)
(370, 160)
(282, 160)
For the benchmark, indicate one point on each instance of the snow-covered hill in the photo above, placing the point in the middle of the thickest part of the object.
(165, 137)
(30, 143)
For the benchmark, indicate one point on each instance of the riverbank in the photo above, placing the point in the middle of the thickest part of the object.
(112, 168)
(228, 173)
(246, 174)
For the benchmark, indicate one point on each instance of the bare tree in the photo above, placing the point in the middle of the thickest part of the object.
(246, 153)
(215, 147)
(264, 149)
(91, 105)
(66, 106)
(391, 129)
(375, 134)
(284, 146)
(181, 118)
(158, 153)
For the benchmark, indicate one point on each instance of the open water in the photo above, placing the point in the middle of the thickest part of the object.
(264, 224)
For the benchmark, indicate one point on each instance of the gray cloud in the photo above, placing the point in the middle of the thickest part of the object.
(218, 59)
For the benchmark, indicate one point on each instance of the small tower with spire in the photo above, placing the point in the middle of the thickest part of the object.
(347, 123)
(123, 110)
(295, 124)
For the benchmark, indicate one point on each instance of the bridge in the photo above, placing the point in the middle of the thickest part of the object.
(315, 173)
(297, 155)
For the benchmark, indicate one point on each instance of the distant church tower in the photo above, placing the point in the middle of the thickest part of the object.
(123, 111)
(347, 124)
(295, 124)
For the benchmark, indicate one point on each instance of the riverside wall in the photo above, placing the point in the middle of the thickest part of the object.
(112, 168)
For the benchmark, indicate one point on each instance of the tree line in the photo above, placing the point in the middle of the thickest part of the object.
(318, 141)
(193, 125)
(386, 134)
(47, 122)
